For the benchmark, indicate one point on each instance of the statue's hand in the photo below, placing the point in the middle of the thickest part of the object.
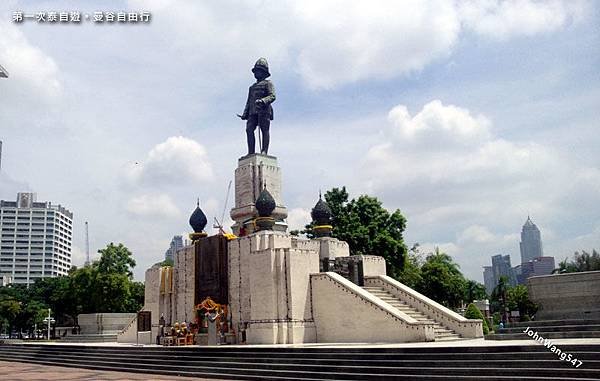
(259, 102)
(242, 117)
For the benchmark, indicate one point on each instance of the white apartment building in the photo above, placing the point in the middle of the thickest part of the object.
(35, 239)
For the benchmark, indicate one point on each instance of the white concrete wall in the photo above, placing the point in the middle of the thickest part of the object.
(373, 265)
(104, 323)
(250, 176)
(468, 328)
(566, 296)
(269, 290)
(332, 248)
(344, 312)
(184, 284)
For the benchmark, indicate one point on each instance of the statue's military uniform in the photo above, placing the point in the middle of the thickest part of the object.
(258, 111)
(265, 91)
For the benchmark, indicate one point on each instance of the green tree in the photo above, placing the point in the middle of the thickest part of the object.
(473, 312)
(116, 259)
(442, 280)
(565, 267)
(410, 274)
(104, 286)
(518, 299)
(500, 297)
(583, 261)
(368, 228)
(112, 292)
(136, 300)
(167, 262)
(474, 291)
(57, 294)
(10, 308)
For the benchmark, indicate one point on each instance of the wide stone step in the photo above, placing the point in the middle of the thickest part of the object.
(595, 364)
(539, 323)
(360, 372)
(552, 328)
(463, 353)
(546, 335)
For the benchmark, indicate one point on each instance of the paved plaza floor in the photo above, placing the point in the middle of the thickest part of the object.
(18, 371)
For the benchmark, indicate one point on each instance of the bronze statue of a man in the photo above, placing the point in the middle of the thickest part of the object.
(258, 110)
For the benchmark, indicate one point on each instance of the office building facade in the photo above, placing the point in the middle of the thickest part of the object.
(488, 279)
(176, 244)
(35, 239)
(531, 242)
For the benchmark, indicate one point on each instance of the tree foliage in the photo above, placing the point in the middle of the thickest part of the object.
(441, 280)
(473, 312)
(583, 261)
(517, 299)
(474, 291)
(505, 298)
(368, 227)
(116, 259)
(410, 274)
(104, 286)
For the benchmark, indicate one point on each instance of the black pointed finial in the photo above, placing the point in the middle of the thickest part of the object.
(198, 219)
(265, 203)
(321, 215)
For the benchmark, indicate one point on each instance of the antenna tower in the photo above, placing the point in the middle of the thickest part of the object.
(87, 245)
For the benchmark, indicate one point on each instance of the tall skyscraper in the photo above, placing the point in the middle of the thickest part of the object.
(531, 242)
(488, 279)
(176, 244)
(36, 239)
(501, 267)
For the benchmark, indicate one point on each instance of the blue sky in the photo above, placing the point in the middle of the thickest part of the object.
(465, 115)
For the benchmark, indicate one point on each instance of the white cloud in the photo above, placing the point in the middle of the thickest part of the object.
(477, 234)
(153, 205)
(177, 161)
(10, 187)
(298, 218)
(364, 41)
(438, 122)
(333, 43)
(461, 179)
(78, 256)
(449, 248)
(31, 70)
(443, 145)
(503, 19)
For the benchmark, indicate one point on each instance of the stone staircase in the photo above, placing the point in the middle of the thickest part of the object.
(441, 362)
(550, 329)
(90, 338)
(442, 333)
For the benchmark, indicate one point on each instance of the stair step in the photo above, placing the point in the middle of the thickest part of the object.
(441, 332)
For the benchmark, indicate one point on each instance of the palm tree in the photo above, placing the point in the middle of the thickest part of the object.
(500, 291)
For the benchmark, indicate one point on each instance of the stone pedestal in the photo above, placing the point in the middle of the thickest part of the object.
(269, 289)
(253, 172)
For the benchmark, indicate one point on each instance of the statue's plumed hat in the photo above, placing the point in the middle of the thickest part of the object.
(262, 64)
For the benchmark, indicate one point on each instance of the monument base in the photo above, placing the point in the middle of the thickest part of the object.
(254, 172)
(286, 332)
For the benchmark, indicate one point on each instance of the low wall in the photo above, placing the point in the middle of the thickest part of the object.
(566, 296)
(467, 328)
(104, 323)
(344, 312)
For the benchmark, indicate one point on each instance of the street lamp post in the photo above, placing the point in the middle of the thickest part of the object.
(50, 320)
